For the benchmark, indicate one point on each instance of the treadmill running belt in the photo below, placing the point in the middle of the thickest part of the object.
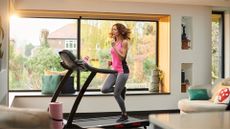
(104, 121)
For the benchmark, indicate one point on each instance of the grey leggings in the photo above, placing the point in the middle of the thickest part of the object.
(116, 83)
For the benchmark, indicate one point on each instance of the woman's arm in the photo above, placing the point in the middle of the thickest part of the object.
(123, 51)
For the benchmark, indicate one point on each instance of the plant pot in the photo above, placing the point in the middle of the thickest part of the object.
(154, 87)
(155, 72)
(155, 78)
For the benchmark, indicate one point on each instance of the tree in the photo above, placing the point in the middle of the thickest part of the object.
(44, 38)
(16, 65)
(43, 58)
(215, 50)
(28, 48)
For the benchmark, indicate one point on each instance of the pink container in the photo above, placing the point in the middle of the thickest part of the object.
(55, 109)
(57, 124)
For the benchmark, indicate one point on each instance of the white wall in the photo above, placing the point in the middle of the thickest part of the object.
(200, 55)
(102, 103)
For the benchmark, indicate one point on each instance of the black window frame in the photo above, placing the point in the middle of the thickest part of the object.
(222, 24)
(78, 76)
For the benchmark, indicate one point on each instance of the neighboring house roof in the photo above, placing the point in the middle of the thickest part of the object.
(68, 31)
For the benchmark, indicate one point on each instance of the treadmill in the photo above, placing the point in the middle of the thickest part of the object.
(72, 64)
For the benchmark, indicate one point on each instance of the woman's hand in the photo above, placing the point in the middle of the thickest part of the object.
(110, 63)
(86, 59)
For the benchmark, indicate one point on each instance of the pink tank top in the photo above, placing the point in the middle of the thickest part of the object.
(119, 65)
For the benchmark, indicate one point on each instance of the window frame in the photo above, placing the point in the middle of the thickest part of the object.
(222, 24)
(96, 16)
(79, 48)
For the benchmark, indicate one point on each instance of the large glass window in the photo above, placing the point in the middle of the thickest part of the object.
(35, 43)
(34, 46)
(142, 56)
(217, 45)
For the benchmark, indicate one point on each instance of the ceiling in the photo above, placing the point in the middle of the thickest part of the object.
(216, 3)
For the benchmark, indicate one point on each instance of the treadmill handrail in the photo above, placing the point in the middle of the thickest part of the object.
(77, 64)
(93, 69)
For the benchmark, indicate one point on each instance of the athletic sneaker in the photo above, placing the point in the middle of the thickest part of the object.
(123, 93)
(123, 118)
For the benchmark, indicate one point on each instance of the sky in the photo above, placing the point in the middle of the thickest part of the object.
(27, 30)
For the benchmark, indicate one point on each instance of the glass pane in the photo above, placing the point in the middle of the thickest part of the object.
(96, 43)
(34, 47)
(216, 46)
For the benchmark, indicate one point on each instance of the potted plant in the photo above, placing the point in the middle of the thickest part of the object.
(156, 79)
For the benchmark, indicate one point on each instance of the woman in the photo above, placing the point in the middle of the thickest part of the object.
(116, 82)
